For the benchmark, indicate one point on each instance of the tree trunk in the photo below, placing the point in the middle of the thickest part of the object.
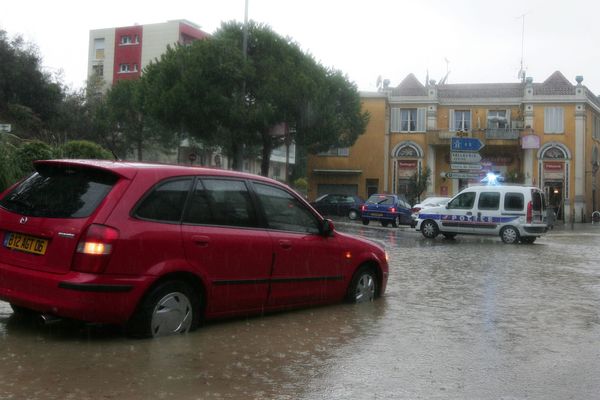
(237, 159)
(266, 153)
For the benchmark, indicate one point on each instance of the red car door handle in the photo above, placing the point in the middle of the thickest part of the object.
(286, 244)
(200, 240)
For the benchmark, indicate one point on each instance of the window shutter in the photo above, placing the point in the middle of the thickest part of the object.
(548, 120)
(560, 121)
(421, 112)
(395, 120)
(470, 121)
(451, 126)
(508, 118)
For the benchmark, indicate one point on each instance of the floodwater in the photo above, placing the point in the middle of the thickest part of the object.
(470, 318)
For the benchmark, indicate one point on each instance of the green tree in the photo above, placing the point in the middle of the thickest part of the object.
(84, 149)
(197, 90)
(286, 85)
(29, 97)
(331, 118)
(417, 184)
(131, 127)
(221, 96)
(9, 171)
(26, 154)
(514, 176)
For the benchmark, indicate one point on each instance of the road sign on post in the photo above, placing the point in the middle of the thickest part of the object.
(465, 144)
(473, 167)
(469, 157)
(462, 175)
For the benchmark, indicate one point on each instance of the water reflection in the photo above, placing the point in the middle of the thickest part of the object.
(464, 318)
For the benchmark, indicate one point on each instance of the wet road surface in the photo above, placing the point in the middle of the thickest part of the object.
(470, 318)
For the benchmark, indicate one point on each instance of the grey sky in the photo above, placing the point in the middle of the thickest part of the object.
(481, 39)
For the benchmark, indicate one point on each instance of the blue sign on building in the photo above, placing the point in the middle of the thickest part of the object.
(466, 144)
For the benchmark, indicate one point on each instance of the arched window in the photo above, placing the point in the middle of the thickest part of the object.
(407, 150)
(407, 161)
(554, 152)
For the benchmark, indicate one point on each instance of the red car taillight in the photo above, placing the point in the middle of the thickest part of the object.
(415, 210)
(94, 249)
(392, 209)
(529, 212)
(363, 207)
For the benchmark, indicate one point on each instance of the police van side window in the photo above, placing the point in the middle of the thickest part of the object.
(463, 201)
(489, 201)
(514, 201)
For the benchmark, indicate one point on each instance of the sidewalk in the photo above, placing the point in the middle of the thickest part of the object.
(576, 227)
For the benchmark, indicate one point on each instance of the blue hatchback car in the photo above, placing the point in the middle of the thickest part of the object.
(387, 209)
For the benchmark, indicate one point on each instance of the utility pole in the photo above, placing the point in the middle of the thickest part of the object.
(245, 39)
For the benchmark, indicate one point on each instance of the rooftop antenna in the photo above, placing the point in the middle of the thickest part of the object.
(445, 78)
(522, 72)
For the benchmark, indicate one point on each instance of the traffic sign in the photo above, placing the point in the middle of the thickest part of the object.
(464, 157)
(465, 144)
(5, 128)
(462, 175)
(475, 167)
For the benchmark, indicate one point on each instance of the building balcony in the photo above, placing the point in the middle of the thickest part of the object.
(498, 137)
(502, 134)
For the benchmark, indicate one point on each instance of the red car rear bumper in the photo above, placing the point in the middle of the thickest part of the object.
(86, 297)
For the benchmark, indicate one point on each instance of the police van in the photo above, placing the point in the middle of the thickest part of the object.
(515, 213)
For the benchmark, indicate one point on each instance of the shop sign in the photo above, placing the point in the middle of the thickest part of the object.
(530, 142)
(412, 164)
(553, 166)
(406, 168)
(553, 170)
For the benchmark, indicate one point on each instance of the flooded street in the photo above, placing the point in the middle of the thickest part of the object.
(470, 318)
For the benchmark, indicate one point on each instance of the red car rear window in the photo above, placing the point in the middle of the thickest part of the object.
(56, 191)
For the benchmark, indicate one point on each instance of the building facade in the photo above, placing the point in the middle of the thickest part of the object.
(122, 53)
(545, 134)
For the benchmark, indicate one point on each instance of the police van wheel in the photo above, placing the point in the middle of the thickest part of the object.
(429, 229)
(509, 235)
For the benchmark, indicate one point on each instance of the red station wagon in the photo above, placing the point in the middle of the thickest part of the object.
(156, 248)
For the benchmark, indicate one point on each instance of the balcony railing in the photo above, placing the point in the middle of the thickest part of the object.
(502, 134)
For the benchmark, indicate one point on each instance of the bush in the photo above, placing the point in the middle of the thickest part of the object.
(25, 155)
(9, 172)
(301, 186)
(86, 150)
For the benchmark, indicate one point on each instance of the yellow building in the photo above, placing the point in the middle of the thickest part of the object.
(544, 134)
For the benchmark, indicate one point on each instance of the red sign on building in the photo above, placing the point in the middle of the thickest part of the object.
(553, 166)
(406, 168)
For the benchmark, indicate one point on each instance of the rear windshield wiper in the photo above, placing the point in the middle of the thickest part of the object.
(21, 204)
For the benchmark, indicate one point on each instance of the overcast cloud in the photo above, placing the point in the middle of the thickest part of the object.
(480, 39)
